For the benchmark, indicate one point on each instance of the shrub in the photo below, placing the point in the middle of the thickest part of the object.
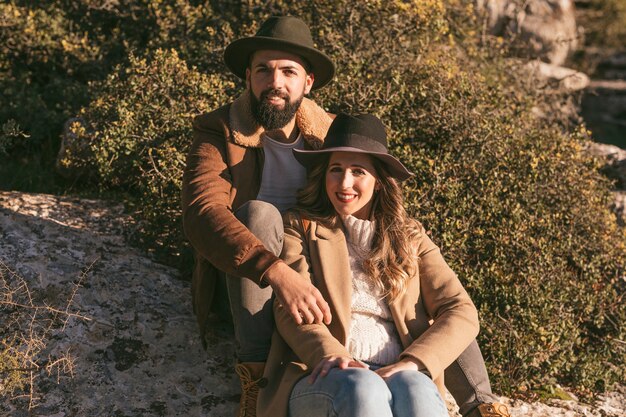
(50, 51)
(518, 209)
(137, 134)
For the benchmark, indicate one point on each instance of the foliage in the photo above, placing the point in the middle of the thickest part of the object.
(50, 51)
(604, 29)
(519, 211)
(137, 134)
(604, 22)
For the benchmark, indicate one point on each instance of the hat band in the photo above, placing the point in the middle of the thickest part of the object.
(353, 140)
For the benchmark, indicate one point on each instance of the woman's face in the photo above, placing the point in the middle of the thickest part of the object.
(350, 183)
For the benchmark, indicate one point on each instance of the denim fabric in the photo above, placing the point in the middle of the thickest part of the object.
(357, 392)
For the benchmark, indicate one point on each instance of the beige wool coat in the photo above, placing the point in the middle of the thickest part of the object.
(435, 318)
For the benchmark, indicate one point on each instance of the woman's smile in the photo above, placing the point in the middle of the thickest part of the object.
(350, 183)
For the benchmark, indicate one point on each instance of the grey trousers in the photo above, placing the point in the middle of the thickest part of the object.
(253, 320)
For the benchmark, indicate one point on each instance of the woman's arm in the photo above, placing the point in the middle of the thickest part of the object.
(310, 342)
(455, 319)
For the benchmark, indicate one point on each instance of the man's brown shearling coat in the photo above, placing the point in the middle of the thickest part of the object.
(435, 318)
(224, 170)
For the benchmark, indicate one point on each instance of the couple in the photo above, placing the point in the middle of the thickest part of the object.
(333, 312)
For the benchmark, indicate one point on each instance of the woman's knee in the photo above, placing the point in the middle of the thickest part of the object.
(351, 392)
(416, 394)
(362, 387)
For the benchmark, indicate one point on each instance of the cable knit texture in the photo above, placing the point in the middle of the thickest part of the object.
(373, 337)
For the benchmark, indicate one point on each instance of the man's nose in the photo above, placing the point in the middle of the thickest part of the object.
(277, 80)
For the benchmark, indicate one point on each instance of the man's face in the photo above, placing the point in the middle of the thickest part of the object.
(277, 82)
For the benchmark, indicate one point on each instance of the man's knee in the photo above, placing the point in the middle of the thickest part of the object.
(264, 221)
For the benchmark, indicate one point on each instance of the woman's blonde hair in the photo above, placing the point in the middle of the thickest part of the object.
(393, 260)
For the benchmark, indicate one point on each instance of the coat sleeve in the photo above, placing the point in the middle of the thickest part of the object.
(208, 220)
(455, 319)
(310, 342)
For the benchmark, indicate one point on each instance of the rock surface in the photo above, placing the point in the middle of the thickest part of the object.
(567, 78)
(544, 29)
(137, 353)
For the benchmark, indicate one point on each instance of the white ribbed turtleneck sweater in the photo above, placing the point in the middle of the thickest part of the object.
(373, 337)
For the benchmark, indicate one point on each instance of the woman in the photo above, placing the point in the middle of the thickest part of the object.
(400, 315)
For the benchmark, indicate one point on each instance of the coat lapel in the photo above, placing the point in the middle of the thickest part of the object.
(334, 277)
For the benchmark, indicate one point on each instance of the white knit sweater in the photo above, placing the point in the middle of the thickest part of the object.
(373, 336)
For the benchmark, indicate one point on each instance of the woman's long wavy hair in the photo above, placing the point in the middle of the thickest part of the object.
(392, 261)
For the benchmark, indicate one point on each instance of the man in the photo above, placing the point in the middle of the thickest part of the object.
(240, 174)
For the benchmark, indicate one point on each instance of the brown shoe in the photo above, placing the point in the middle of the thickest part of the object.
(490, 410)
(251, 376)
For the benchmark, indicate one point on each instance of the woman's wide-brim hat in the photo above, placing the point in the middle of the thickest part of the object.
(363, 133)
(281, 33)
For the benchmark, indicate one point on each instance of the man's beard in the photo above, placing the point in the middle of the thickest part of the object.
(268, 115)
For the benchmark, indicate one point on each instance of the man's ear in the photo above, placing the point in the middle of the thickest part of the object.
(308, 83)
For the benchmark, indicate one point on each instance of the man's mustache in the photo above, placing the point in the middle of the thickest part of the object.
(274, 92)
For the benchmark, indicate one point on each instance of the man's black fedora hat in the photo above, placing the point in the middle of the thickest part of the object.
(363, 133)
(281, 33)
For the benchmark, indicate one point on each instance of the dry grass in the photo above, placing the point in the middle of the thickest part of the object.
(30, 352)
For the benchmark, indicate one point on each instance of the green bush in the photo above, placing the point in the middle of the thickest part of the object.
(519, 211)
(50, 52)
(136, 134)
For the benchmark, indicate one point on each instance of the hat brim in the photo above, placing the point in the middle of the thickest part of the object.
(236, 56)
(309, 158)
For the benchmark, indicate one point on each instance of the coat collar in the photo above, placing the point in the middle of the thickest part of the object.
(311, 119)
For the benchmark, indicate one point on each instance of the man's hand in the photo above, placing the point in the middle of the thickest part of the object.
(303, 301)
(341, 362)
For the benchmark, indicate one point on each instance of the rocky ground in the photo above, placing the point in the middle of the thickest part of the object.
(132, 336)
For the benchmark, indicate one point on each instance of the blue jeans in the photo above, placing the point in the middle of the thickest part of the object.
(358, 392)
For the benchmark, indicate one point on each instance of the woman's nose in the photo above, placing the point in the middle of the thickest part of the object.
(346, 180)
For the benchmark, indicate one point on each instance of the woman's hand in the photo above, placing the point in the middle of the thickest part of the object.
(405, 364)
(341, 362)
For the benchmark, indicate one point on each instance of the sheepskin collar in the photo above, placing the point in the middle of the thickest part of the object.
(311, 119)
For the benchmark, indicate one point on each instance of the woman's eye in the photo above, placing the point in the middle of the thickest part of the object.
(334, 169)
(358, 172)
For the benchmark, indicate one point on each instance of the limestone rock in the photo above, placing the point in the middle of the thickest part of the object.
(139, 353)
(544, 29)
(567, 78)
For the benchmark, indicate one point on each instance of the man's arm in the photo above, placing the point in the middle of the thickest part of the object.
(222, 239)
(208, 219)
